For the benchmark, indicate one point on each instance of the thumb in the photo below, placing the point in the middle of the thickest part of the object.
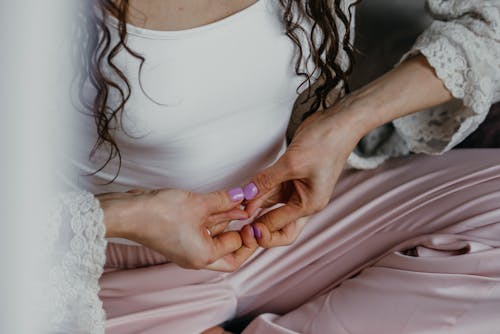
(220, 201)
(268, 180)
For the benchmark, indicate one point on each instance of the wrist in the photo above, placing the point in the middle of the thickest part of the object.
(119, 210)
(351, 117)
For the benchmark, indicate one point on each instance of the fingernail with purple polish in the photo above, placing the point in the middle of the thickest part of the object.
(253, 230)
(250, 191)
(256, 232)
(236, 194)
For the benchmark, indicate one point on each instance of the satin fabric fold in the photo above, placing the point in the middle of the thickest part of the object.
(410, 247)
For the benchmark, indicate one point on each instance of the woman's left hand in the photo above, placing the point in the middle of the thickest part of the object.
(304, 177)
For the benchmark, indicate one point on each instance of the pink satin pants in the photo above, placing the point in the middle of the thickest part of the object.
(410, 247)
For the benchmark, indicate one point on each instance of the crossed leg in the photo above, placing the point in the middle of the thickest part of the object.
(422, 234)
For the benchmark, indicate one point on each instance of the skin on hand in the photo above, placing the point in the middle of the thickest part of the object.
(302, 179)
(305, 176)
(175, 223)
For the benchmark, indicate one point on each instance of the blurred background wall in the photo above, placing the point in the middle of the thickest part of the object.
(35, 38)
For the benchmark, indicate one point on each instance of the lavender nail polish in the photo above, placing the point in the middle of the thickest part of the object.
(236, 194)
(253, 230)
(257, 232)
(250, 191)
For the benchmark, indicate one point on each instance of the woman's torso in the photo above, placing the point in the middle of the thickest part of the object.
(209, 109)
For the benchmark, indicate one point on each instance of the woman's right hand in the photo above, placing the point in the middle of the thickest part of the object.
(186, 227)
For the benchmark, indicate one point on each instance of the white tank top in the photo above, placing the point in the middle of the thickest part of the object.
(213, 111)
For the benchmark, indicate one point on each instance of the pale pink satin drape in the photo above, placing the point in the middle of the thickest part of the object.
(411, 247)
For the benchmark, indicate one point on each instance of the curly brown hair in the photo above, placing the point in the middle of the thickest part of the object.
(328, 19)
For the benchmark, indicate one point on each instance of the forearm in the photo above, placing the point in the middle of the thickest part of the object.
(411, 87)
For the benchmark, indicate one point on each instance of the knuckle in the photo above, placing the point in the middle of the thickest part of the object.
(265, 244)
(185, 265)
(264, 181)
(265, 220)
(201, 262)
(270, 224)
(195, 264)
(222, 201)
(214, 201)
(219, 201)
(198, 204)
